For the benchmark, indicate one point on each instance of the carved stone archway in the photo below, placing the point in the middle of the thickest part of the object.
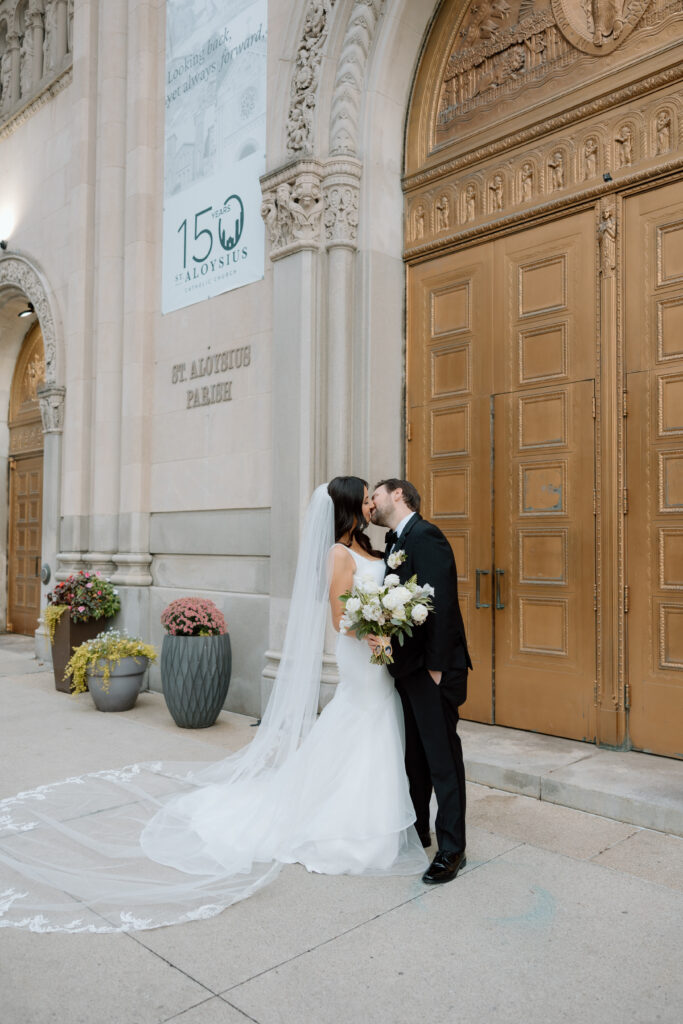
(20, 278)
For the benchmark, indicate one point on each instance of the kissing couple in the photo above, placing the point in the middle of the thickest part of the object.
(347, 792)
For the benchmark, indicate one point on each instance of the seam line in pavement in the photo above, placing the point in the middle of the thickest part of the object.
(428, 892)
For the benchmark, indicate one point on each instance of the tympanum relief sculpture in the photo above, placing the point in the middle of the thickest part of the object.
(505, 45)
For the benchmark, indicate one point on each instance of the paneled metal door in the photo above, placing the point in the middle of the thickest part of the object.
(26, 503)
(511, 319)
(544, 560)
(653, 289)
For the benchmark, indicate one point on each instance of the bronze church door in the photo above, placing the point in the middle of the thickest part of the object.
(500, 393)
(653, 289)
(25, 488)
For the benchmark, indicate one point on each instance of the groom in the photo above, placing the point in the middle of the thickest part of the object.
(430, 671)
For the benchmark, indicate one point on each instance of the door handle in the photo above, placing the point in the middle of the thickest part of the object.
(37, 572)
(499, 603)
(479, 574)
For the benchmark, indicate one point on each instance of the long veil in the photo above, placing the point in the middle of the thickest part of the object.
(132, 848)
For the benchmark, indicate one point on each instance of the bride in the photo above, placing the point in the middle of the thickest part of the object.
(157, 843)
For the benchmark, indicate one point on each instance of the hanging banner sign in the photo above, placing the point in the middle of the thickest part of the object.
(215, 141)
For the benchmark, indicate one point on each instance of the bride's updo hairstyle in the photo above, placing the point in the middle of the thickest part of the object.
(347, 493)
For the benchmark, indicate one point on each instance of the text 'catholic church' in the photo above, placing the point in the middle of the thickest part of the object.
(253, 244)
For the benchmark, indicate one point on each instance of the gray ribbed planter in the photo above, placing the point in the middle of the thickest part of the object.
(195, 675)
(123, 685)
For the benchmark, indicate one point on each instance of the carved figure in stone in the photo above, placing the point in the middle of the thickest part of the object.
(607, 19)
(496, 190)
(419, 221)
(663, 125)
(283, 204)
(26, 56)
(607, 237)
(306, 207)
(443, 213)
(590, 158)
(5, 80)
(556, 166)
(269, 214)
(624, 141)
(50, 36)
(470, 202)
(527, 181)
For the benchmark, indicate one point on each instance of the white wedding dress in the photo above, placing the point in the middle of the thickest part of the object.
(156, 844)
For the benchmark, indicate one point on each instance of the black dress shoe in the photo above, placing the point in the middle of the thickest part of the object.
(444, 867)
(425, 838)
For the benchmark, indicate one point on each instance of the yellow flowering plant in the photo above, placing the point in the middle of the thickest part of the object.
(109, 648)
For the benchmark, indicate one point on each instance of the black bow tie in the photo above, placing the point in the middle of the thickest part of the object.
(390, 538)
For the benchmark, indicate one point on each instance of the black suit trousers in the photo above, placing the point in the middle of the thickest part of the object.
(434, 752)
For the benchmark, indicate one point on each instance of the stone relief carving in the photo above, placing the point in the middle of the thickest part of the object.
(503, 46)
(556, 168)
(348, 87)
(470, 202)
(496, 193)
(607, 237)
(306, 74)
(443, 213)
(598, 26)
(16, 272)
(292, 210)
(547, 173)
(624, 146)
(419, 231)
(341, 213)
(526, 180)
(52, 408)
(6, 81)
(663, 128)
(26, 73)
(590, 158)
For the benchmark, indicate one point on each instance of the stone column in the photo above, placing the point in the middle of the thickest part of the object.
(37, 26)
(341, 189)
(14, 51)
(51, 398)
(292, 209)
(140, 296)
(62, 29)
(105, 434)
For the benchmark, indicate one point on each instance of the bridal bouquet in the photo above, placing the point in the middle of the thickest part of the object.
(388, 609)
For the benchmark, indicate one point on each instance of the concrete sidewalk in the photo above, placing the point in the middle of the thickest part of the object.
(560, 914)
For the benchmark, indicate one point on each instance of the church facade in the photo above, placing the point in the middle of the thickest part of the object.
(473, 275)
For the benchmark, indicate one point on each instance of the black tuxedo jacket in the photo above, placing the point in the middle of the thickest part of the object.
(440, 643)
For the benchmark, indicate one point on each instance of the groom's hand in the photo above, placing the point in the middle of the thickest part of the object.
(436, 676)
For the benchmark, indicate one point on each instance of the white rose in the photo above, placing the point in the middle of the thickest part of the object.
(390, 601)
(353, 605)
(369, 585)
(399, 613)
(391, 580)
(419, 614)
(401, 595)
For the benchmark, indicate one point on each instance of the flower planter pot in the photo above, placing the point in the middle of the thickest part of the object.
(68, 635)
(123, 686)
(195, 676)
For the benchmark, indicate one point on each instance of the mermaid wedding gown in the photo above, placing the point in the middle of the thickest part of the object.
(152, 845)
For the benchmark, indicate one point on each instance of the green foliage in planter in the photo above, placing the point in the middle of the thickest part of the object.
(110, 646)
(52, 613)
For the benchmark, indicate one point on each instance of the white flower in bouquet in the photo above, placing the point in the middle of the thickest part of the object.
(353, 605)
(426, 589)
(391, 580)
(367, 585)
(419, 614)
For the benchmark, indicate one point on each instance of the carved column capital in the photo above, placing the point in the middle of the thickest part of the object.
(51, 400)
(292, 207)
(341, 189)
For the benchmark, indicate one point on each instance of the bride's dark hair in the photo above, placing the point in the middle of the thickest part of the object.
(347, 493)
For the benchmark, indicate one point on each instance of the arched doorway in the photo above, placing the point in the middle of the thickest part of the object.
(544, 242)
(25, 486)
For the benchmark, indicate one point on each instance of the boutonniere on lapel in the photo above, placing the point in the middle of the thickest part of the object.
(396, 559)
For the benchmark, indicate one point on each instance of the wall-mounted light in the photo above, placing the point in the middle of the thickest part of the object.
(3, 244)
(29, 311)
